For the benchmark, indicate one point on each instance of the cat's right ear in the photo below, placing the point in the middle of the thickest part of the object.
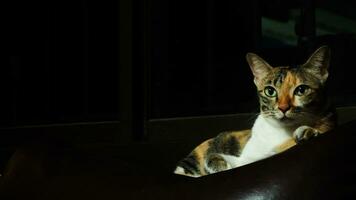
(259, 67)
(318, 63)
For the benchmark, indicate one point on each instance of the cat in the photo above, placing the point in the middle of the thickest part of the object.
(293, 108)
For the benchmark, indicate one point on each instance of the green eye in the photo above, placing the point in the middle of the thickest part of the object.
(270, 91)
(301, 90)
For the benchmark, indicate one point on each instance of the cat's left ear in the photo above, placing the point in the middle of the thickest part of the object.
(259, 67)
(318, 63)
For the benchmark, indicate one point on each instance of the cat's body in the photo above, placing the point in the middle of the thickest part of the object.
(293, 107)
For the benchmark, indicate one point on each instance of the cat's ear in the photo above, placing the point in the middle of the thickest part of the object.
(318, 63)
(260, 68)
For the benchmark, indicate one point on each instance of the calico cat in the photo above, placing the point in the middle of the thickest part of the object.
(293, 108)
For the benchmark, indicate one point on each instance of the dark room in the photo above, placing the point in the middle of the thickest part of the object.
(168, 99)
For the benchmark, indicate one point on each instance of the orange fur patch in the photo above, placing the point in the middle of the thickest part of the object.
(285, 146)
(200, 152)
(286, 97)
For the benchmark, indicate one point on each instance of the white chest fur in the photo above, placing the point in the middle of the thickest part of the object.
(266, 136)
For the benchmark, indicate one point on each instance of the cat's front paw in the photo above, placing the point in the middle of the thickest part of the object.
(303, 133)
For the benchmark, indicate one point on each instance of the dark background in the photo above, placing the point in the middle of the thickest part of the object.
(129, 64)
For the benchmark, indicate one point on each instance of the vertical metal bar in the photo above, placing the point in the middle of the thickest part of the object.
(137, 70)
(306, 26)
(140, 69)
(147, 66)
(256, 15)
(125, 70)
(85, 59)
(257, 26)
(15, 62)
(209, 70)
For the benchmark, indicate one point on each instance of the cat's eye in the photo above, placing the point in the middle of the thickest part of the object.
(301, 90)
(270, 91)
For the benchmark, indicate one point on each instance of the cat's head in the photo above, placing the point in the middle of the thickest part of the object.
(291, 94)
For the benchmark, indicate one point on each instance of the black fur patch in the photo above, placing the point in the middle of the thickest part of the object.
(281, 74)
(225, 144)
(190, 164)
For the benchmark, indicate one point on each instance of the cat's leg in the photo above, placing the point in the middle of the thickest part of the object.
(193, 164)
(189, 166)
(224, 151)
(216, 162)
(284, 146)
(303, 133)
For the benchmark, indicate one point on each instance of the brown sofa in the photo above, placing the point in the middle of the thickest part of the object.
(322, 168)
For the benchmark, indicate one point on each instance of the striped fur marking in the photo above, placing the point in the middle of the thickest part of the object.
(190, 165)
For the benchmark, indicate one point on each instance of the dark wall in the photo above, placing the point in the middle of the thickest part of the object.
(62, 63)
(70, 62)
(198, 64)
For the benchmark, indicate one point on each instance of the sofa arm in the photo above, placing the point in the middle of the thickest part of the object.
(322, 168)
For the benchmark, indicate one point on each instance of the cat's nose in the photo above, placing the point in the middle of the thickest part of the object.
(284, 107)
